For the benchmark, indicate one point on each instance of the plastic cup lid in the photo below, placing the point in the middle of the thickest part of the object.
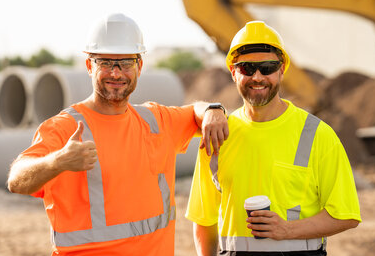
(257, 202)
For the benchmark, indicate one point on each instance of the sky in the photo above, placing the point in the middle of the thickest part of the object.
(326, 41)
(62, 26)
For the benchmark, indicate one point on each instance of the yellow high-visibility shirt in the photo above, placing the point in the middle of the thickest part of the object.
(258, 159)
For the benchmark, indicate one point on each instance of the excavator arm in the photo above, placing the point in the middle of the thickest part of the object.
(221, 20)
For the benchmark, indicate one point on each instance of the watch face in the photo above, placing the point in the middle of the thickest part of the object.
(216, 105)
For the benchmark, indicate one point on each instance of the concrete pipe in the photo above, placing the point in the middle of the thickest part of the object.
(185, 163)
(159, 85)
(57, 87)
(12, 143)
(15, 96)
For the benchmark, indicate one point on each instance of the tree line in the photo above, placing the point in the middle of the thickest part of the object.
(38, 59)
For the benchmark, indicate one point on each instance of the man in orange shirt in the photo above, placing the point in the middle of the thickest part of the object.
(105, 168)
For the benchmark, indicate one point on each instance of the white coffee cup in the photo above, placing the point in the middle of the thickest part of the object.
(257, 203)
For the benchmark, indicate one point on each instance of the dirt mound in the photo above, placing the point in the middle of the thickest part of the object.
(360, 104)
(206, 84)
(341, 86)
(346, 101)
(347, 105)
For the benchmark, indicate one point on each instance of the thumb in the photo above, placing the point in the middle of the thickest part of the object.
(78, 133)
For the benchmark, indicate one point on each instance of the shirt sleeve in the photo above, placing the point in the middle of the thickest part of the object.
(204, 201)
(49, 137)
(178, 123)
(337, 188)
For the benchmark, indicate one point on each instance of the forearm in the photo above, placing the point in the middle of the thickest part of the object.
(320, 225)
(28, 175)
(205, 239)
(213, 124)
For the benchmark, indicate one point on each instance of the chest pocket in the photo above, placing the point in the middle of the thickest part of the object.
(289, 184)
(153, 141)
(290, 181)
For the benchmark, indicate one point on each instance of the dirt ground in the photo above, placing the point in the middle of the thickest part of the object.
(24, 228)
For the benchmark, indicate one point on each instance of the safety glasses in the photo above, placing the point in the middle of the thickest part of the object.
(248, 68)
(108, 64)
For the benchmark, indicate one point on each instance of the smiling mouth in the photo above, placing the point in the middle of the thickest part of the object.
(258, 87)
(116, 83)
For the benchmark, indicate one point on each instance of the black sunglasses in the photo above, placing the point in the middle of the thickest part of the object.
(248, 68)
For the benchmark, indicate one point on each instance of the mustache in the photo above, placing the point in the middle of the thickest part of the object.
(121, 80)
(263, 83)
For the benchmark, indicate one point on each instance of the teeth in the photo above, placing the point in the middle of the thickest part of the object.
(258, 88)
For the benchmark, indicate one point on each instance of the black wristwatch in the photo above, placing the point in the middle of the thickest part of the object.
(216, 105)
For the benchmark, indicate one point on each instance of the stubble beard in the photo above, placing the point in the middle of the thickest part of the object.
(115, 95)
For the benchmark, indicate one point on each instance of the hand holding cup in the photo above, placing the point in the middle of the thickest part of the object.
(257, 203)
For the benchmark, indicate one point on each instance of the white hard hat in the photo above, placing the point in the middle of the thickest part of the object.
(115, 34)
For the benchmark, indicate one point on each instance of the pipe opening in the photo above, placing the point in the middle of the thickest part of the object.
(48, 97)
(12, 101)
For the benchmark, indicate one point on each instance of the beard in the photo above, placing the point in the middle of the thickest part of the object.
(115, 95)
(257, 99)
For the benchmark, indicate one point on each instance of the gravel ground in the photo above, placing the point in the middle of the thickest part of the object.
(25, 229)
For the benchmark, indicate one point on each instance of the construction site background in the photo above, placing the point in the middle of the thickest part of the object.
(346, 103)
(346, 86)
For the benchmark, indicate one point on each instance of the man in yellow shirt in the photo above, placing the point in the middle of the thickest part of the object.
(275, 149)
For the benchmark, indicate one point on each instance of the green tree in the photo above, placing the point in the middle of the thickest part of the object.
(41, 58)
(17, 61)
(37, 60)
(180, 61)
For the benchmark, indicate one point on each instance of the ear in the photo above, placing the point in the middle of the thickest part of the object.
(282, 70)
(89, 66)
(233, 72)
(140, 65)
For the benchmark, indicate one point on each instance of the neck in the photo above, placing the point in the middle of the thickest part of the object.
(106, 107)
(275, 108)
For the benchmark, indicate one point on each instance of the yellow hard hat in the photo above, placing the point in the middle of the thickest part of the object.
(256, 33)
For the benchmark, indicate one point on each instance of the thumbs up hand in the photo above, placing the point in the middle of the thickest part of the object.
(76, 155)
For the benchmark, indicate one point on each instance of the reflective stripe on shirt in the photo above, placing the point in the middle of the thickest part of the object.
(236, 243)
(100, 232)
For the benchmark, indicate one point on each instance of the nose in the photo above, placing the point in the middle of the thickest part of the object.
(116, 71)
(257, 76)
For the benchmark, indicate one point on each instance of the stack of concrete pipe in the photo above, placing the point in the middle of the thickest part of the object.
(30, 96)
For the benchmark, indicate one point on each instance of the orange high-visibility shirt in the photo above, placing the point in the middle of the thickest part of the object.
(131, 158)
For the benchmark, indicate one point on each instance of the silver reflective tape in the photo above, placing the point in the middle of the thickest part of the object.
(306, 140)
(100, 232)
(293, 213)
(114, 232)
(94, 177)
(250, 244)
(148, 116)
(214, 166)
(125, 230)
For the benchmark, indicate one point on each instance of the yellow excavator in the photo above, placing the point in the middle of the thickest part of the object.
(221, 19)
